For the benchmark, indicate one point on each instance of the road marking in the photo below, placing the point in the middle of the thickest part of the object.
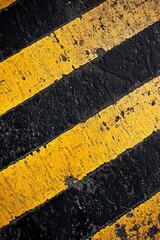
(70, 47)
(79, 151)
(28, 21)
(5, 3)
(80, 95)
(143, 222)
(100, 198)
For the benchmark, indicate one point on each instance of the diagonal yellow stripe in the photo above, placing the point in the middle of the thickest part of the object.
(5, 3)
(31, 181)
(141, 223)
(73, 45)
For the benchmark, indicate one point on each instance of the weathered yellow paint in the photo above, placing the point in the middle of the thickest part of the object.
(31, 181)
(5, 3)
(140, 223)
(71, 46)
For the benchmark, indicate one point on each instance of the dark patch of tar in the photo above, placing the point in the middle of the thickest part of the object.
(129, 215)
(117, 118)
(153, 103)
(121, 232)
(153, 231)
(100, 52)
(64, 59)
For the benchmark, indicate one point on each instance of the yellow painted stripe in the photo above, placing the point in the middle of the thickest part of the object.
(31, 181)
(73, 45)
(5, 3)
(141, 223)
